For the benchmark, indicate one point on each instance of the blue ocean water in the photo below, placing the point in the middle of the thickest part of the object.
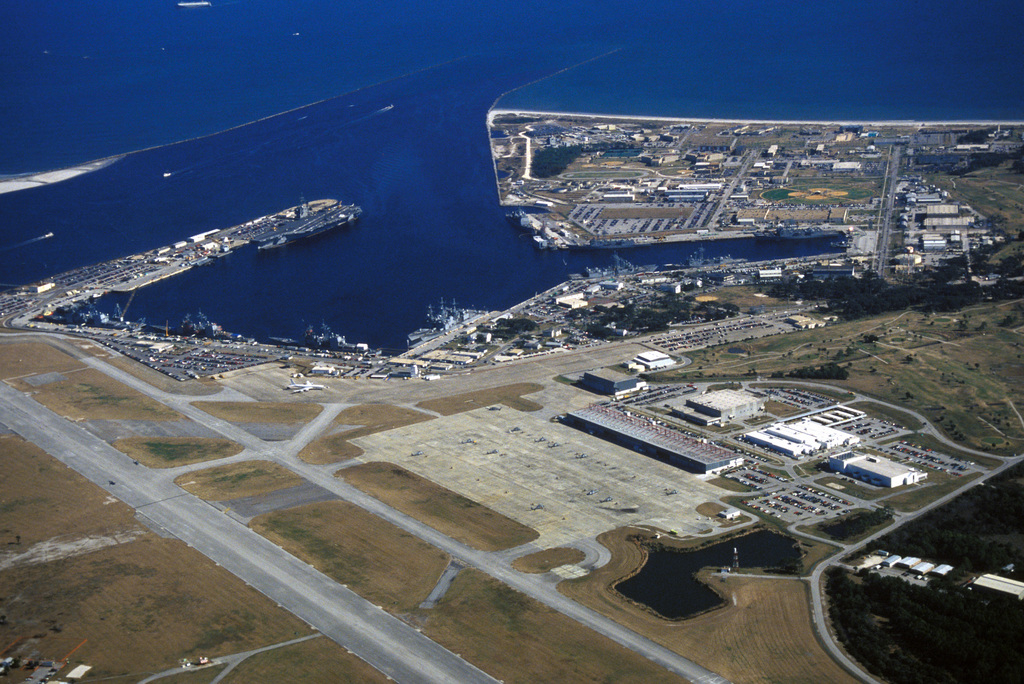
(83, 80)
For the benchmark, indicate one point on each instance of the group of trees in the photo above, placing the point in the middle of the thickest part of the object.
(551, 161)
(931, 634)
(969, 531)
(945, 288)
(828, 371)
(857, 523)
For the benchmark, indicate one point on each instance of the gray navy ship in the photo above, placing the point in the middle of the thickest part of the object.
(307, 223)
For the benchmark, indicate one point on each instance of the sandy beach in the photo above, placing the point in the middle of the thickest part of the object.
(907, 123)
(34, 180)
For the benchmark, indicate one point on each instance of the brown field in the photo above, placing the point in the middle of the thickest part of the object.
(316, 660)
(42, 497)
(91, 395)
(238, 480)
(169, 452)
(142, 603)
(444, 510)
(372, 418)
(30, 358)
(545, 560)
(509, 395)
(763, 634)
(374, 558)
(516, 639)
(260, 412)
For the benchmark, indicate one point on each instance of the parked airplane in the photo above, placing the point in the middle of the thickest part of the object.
(304, 387)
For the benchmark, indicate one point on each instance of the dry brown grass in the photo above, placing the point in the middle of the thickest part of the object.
(30, 358)
(260, 412)
(377, 560)
(141, 604)
(763, 633)
(42, 497)
(91, 395)
(169, 452)
(238, 480)
(516, 639)
(444, 510)
(545, 560)
(316, 660)
(509, 395)
(372, 418)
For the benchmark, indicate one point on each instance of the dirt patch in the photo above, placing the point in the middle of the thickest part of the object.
(444, 510)
(372, 418)
(29, 358)
(763, 633)
(169, 452)
(260, 412)
(377, 560)
(238, 480)
(509, 395)
(516, 639)
(316, 660)
(710, 509)
(545, 560)
(90, 395)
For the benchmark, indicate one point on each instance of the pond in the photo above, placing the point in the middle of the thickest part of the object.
(666, 583)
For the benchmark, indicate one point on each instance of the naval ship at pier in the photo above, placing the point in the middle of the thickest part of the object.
(306, 223)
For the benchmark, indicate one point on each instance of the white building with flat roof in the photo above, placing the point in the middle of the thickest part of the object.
(1002, 585)
(653, 360)
(875, 470)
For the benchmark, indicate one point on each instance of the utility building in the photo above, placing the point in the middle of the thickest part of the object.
(875, 470)
(615, 384)
(721, 406)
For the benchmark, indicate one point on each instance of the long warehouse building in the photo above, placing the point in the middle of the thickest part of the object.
(658, 441)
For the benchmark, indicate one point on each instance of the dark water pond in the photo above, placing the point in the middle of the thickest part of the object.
(666, 584)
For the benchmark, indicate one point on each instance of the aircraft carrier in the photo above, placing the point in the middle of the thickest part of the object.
(305, 223)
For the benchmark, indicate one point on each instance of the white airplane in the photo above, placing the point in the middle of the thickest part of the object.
(304, 387)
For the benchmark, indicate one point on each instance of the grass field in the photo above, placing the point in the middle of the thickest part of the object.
(372, 418)
(444, 510)
(141, 602)
(91, 395)
(825, 191)
(919, 497)
(762, 635)
(888, 413)
(260, 412)
(377, 560)
(818, 530)
(238, 480)
(316, 660)
(518, 640)
(169, 452)
(509, 395)
(29, 358)
(847, 487)
(996, 192)
(545, 560)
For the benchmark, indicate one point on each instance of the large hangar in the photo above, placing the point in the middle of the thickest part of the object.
(875, 470)
(721, 406)
(654, 440)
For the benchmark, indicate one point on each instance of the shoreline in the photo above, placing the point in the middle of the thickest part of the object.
(905, 123)
(26, 181)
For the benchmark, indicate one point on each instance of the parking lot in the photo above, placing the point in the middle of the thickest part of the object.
(797, 502)
(911, 453)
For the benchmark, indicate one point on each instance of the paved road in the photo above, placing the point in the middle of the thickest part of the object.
(885, 230)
